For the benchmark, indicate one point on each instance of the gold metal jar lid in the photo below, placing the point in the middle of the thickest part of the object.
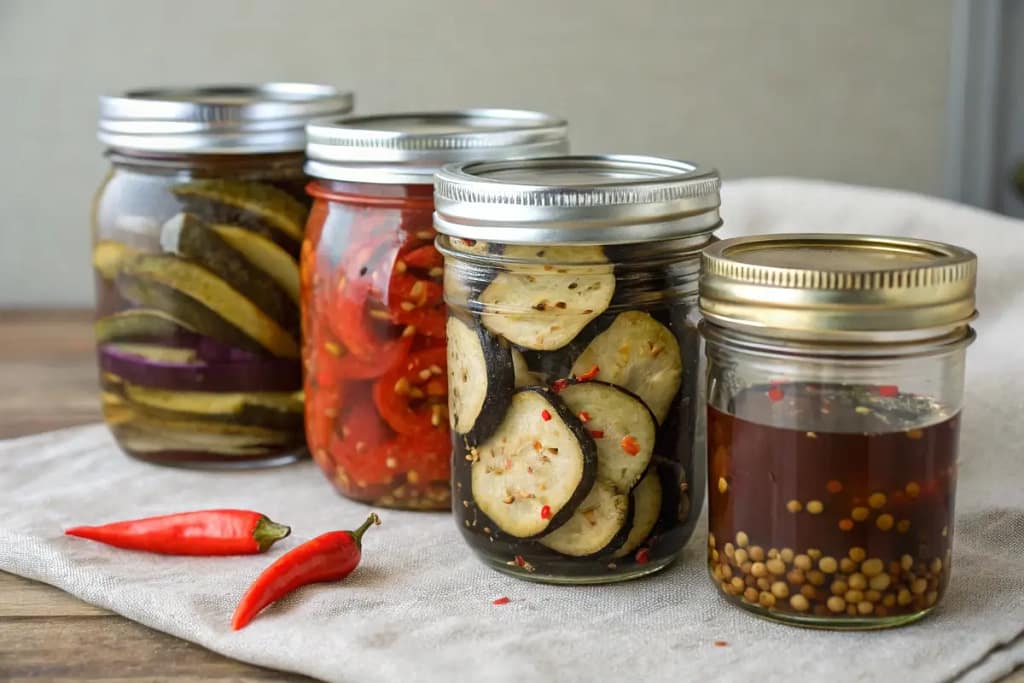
(838, 287)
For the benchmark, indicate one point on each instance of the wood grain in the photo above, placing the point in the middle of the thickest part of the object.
(48, 381)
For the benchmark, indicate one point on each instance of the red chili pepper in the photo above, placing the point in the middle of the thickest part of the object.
(597, 433)
(545, 512)
(545, 415)
(775, 394)
(558, 385)
(630, 444)
(589, 374)
(203, 532)
(642, 556)
(501, 601)
(328, 557)
(889, 390)
(584, 416)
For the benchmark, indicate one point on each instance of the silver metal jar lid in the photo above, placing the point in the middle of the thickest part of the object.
(822, 287)
(218, 119)
(613, 199)
(409, 148)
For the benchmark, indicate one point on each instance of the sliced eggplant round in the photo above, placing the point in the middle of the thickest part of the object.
(622, 426)
(534, 470)
(481, 380)
(598, 524)
(543, 304)
(645, 502)
(640, 354)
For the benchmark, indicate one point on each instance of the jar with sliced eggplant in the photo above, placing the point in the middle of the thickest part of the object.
(833, 423)
(373, 308)
(197, 229)
(574, 369)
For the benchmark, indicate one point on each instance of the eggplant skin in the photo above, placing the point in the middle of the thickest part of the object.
(604, 511)
(469, 348)
(510, 461)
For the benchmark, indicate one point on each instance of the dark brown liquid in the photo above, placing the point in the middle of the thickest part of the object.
(865, 494)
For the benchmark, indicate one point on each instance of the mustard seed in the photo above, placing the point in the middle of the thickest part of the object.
(794, 506)
(737, 584)
(766, 599)
(795, 577)
(741, 539)
(839, 587)
(711, 539)
(815, 578)
(903, 526)
(854, 596)
(741, 555)
(745, 567)
(857, 581)
(936, 566)
(814, 553)
(880, 582)
(756, 553)
(859, 514)
(758, 569)
(913, 489)
(776, 566)
(847, 566)
(780, 590)
(764, 583)
(802, 562)
(864, 607)
(799, 603)
(857, 554)
(919, 586)
(931, 598)
(730, 550)
(750, 595)
(872, 596)
(726, 572)
(786, 555)
(828, 565)
(906, 562)
(836, 604)
(877, 500)
(889, 600)
(808, 591)
(815, 507)
(872, 567)
(723, 485)
(884, 522)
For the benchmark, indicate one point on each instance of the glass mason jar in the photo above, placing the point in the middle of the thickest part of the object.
(835, 382)
(373, 309)
(574, 364)
(196, 236)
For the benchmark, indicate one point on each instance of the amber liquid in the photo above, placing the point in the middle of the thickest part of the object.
(849, 522)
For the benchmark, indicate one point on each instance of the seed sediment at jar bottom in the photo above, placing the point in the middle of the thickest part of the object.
(572, 420)
(374, 317)
(850, 522)
(198, 317)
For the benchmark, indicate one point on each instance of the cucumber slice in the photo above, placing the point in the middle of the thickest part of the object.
(599, 523)
(186, 235)
(265, 255)
(640, 354)
(624, 423)
(530, 475)
(645, 502)
(139, 324)
(107, 257)
(545, 304)
(253, 205)
(480, 380)
(199, 284)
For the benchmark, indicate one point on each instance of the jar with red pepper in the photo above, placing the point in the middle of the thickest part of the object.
(835, 388)
(372, 296)
(574, 363)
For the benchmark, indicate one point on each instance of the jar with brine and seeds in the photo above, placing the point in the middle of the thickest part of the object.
(574, 365)
(372, 299)
(835, 387)
(196, 236)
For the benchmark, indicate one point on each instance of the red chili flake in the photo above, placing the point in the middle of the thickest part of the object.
(558, 385)
(545, 415)
(545, 512)
(642, 556)
(538, 446)
(888, 390)
(584, 416)
(630, 444)
(501, 601)
(721, 643)
(520, 561)
(597, 433)
(589, 374)
(775, 394)
(469, 242)
(508, 463)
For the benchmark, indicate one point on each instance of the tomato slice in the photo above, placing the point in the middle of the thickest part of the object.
(355, 444)
(424, 258)
(419, 303)
(411, 398)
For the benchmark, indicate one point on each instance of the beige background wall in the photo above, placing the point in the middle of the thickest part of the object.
(851, 90)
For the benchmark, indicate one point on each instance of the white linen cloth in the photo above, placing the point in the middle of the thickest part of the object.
(420, 607)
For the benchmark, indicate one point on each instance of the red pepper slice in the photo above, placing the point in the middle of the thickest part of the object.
(417, 302)
(402, 398)
(354, 444)
(323, 405)
(350, 322)
(425, 458)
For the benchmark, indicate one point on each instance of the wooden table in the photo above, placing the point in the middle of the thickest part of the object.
(48, 381)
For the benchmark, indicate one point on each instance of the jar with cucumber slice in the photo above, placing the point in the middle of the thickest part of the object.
(574, 364)
(197, 230)
(372, 297)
